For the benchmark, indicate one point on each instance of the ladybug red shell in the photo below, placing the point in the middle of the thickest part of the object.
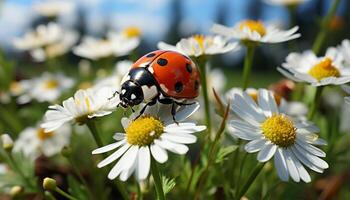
(175, 73)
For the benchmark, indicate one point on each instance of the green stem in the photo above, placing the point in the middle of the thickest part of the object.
(92, 126)
(212, 153)
(324, 27)
(65, 194)
(93, 129)
(316, 102)
(49, 196)
(157, 180)
(80, 176)
(248, 62)
(250, 180)
(139, 192)
(203, 75)
(240, 172)
(15, 167)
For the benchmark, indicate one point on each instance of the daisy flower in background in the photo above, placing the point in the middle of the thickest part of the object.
(53, 8)
(113, 81)
(317, 71)
(344, 49)
(256, 31)
(85, 104)
(6, 141)
(285, 2)
(34, 141)
(47, 41)
(199, 45)
(116, 44)
(52, 85)
(291, 108)
(148, 136)
(273, 133)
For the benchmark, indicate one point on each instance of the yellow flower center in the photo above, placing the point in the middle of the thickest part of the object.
(42, 135)
(253, 26)
(280, 130)
(132, 32)
(324, 69)
(15, 87)
(144, 130)
(51, 84)
(200, 40)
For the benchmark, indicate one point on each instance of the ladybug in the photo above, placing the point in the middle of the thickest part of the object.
(167, 77)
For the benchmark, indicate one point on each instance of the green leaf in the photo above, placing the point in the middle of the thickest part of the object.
(224, 152)
(168, 184)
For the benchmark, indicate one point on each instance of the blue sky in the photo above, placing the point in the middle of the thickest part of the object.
(152, 16)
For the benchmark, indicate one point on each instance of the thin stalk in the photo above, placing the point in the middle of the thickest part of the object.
(93, 129)
(80, 176)
(203, 75)
(248, 62)
(250, 180)
(49, 196)
(240, 172)
(212, 152)
(65, 194)
(316, 102)
(324, 27)
(157, 180)
(92, 126)
(15, 167)
(139, 192)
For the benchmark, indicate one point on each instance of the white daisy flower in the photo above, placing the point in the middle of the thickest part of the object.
(21, 90)
(34, 141)
(344, 49)
(291, 108)
(52, 85)
(47, 41)
(149, 135)
(256, 31)
(285, 2)
(275, 134)
(113, 81)
(53, 8)
(318, 71)
(85, 104)
(116, 44)
(198, 45)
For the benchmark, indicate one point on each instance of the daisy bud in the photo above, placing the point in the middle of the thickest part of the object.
(16, 190)
(49, 184)
(7, 142)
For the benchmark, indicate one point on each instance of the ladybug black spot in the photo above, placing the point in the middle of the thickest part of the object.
(150, 55)
(189, 68)
(196, 85)
(162, 61)
(178, 87)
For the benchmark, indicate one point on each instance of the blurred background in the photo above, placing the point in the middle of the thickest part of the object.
(170, 20)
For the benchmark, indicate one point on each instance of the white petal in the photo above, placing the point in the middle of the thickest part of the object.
(305, 161)
(293, 171)
(119, 136)
(255, 145)
(143, 163)
(159, 154)
(267, 152)
(173, 147)
(310, 148)
(114, 156)
(126, 161)
(108, 147)
(304, 175)
(179, 138)
(281, 165)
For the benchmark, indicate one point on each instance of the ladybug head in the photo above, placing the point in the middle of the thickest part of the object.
(131, 94)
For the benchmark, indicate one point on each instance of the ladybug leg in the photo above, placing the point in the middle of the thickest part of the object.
(184, 104)
(144, 108)
(114, 94)
(173, 107)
